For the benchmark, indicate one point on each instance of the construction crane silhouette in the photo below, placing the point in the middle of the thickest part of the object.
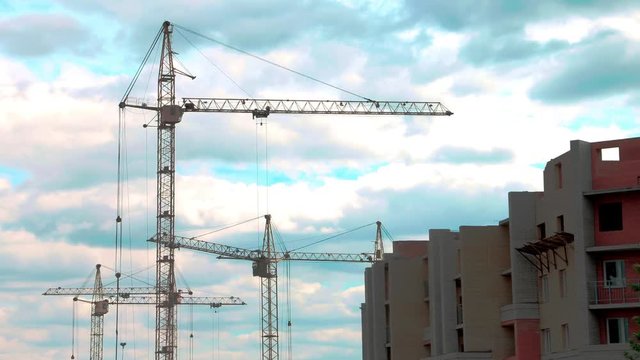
(265, 266)
(169, 114)
(102, 297)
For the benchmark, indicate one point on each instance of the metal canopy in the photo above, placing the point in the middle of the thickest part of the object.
(545, 251)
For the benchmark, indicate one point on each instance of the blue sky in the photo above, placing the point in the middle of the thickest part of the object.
(523, 79)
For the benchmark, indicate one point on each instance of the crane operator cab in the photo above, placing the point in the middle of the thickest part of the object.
(171, 114)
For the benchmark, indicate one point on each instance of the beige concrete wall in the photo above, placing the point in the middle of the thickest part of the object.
(484, 258)
(394, 314)
(408, 315)
(443, 246)
(569, 201)
(373, 314)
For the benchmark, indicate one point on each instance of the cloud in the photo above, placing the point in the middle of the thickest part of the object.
(503, 14)
(490, 49)
(603, 67)
(43, 34)
(461, 155)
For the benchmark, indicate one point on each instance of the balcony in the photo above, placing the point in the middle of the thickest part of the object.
(459, 314)
(606, 295)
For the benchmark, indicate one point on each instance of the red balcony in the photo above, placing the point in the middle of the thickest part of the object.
(619, 293)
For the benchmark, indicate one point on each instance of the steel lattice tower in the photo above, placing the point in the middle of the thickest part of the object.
(166, 296)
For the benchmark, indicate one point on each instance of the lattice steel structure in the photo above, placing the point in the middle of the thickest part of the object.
(166, 295)
(265, 266)
(102, 297)
(99, 307)
(169, 114)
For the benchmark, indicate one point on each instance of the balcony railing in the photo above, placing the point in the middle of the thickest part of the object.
(459, 314)
(618, 292)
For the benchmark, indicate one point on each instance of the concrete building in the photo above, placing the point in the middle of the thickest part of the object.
(586, 225)
(394, 315)
(469, 283)
(550, 282)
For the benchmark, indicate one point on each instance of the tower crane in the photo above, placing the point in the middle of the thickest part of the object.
(128, 295)
(169, 114)
(265, 266)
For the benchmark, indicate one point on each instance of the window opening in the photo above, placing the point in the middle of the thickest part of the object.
(610, 216)
(542, 231)
(565, 336)
(560, 223)
(614, 273)
(558, 170)
(562, 274)
(610, 154)
(617, 330)
(546, 340)
(544, 289)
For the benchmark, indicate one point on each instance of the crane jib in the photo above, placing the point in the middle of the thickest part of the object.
(264, 107)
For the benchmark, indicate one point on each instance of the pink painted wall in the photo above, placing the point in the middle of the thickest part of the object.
(630, 219)
(616, 174)
(527, 336)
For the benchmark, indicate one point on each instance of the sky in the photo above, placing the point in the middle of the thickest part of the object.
(523, 79)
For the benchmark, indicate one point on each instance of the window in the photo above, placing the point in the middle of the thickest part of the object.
(544, 288)
(545, 341)
(610, 216)
(562, 274)
(558, 171)
(617, 330)
(560, 223)
(542, 231)
(610, 154)
(613, 273)
(565, 336)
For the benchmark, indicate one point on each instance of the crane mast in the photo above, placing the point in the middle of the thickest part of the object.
(267, 269)
(99, 307)
(168, 116)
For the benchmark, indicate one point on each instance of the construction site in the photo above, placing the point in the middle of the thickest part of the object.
(111, 294)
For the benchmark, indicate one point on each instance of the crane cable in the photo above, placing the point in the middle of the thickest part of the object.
(213, 64)
(288, 295)
(141, 67)
(333, 236)
(270, 62)
(118, 232)
(73, 329)
(191, 331)
(287, 274)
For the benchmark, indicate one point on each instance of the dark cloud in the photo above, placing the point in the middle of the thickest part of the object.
(497, 27)
(607, 66)
(460, 155)
(505, 15)
(486, 49)
(42, 34)
(247, 24)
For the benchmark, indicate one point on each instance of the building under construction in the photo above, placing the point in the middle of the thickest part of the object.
(555, 280)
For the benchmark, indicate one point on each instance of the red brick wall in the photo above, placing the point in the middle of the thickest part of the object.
(630, 219)
(616, 174)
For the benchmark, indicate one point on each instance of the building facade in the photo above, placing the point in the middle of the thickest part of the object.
(552, 281)
(394, 315)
